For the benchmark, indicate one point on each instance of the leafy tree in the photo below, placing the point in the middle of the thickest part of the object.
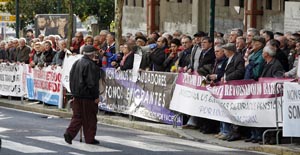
(102, 9)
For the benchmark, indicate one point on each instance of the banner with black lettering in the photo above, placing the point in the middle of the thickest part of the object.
(291, 109)
(147, 98)
(11, 80)
(242, 102)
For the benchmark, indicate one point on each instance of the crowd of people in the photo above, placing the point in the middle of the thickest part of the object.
(235, 55)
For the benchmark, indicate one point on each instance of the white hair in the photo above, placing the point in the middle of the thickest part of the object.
(270, 50)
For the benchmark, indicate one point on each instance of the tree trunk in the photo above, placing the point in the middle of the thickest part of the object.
(118, 22)
(70, 24)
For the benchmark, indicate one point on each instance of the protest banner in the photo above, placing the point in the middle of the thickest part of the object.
(11, 80)
(147, 98)
(45, 85)
(291, 109)
(67, 65)
(242, 102)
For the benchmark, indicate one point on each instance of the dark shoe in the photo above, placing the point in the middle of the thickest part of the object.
(189, 127)
(68, 138)
(256, 140)
(95, 142)
(249, 140)
(234, 138)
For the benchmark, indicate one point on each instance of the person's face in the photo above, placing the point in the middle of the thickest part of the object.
(267, 38)
(249, 37)
(109, 39)
(96, 41)
(227, 53)
(159, 42)
(264, 55)
(205, 44)
(240, 44)
(125, 49)
(47, 46)
(2, 46)
(174, 47)
(89, 41)
(176, 35)
(102, 38)
(219, 53)
(292, 42)
(232, 37)
(37, 47)
(78, 37)
(62, 22)
(63, 45)
(256, 45)
(297, 47)
(140, 42)
(186, 43)
(197, 40)
(22, 43)
(42, 23)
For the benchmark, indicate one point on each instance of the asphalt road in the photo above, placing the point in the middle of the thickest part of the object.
(35, 134)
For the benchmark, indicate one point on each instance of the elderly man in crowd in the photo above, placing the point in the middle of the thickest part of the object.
(22, 54)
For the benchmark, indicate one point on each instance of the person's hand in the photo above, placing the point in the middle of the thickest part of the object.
(97, 100)
(71, 48)
(53, 67)
(189, 71)
(113, 63)
(185, 69)
(212, 76)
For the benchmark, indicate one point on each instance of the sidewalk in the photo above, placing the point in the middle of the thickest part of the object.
(286, 149)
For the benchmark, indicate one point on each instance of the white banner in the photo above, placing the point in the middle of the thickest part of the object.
(291, 109)
(45, 85)
(243, 102)
(11, 79)
(68, 62)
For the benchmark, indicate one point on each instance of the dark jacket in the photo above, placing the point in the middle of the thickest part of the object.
(157, 58)
(84, 79)
(206, 60)
(3, 54)
(219, 68)
(273, 69)
(184, 57)
(235, 70)
(254, 68)
(48, 56)
(22, 54)
(283, 59)
(128, 64)
(169, 62)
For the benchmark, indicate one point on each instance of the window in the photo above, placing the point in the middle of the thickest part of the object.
(226, 3)
(179, 1)
(126, 2)
(241, 3)
(269, 4)
(143, 3)
(134, 3)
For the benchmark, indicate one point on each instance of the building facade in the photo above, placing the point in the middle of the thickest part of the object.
(190, 16)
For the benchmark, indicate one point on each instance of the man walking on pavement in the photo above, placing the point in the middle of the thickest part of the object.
(84, 85)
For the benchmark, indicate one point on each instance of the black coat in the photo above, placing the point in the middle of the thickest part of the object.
(206, 60)
(157, 58)
(184, 57)
(128, 64)
(272, 69)
(169, 62)
(235, 70)
(84, 79)
(219, 68)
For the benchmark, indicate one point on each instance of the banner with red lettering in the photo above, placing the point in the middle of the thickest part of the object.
(242, 102)
(45, 85)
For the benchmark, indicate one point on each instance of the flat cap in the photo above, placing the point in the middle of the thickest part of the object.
(88, 49)
(260, 39)
(229, 47)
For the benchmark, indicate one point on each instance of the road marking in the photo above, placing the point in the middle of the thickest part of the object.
(188, 143)
(75, 144)
(136, 144)
(4, 129)
(2, 136)
(75, 153)
(23, 148)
